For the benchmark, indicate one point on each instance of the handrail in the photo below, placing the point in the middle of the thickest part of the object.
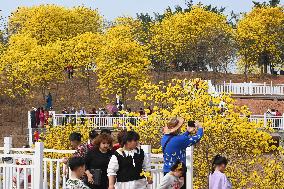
(59, 151)
(17, 166)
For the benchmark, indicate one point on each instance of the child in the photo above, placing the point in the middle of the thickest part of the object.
(218, 180)
(77, 166)
(174, 179)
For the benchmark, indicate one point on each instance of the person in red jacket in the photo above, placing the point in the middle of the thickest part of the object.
(278, 120)
(278, 113)
(41, 117)
(36, 136)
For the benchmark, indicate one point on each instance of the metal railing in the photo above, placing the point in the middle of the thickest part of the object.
(97, 121)
(41, 172)
(250, 88)
(275, 122)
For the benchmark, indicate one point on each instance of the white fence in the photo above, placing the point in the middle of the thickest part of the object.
(46, 173)
(275, 122)
(96, 120)
(250, 88)
(92, 120)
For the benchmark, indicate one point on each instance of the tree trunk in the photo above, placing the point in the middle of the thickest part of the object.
(43, 92)
(265, 71)
(245, 73)
(88, 87)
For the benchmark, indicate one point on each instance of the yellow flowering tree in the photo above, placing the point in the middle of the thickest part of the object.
(122, 64)
(192, 40)
(226, 132)
(25, 65)
(46, 65)
(81, 52)
(49, 23)
(39, 35)
(137, 29)
(260, 39)
(15, 73)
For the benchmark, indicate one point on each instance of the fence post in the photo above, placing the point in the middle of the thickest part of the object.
(189, 166)
(7, 144)
(231, 89)
(250, 88)
(76, 115)
(147, 151)
(38, 163)
(264, 119)
(30, 129)
(7, 171)
(54, 119)
(282, 123)
(271, 88)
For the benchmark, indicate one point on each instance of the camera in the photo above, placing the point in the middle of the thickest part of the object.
(191, 124)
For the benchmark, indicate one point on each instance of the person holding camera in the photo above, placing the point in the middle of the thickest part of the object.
(174, 143)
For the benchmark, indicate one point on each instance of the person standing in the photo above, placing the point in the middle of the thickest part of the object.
(77, 167)
(217, 179)
(48, 101)
(36, 136)
(33, 117)
(73, 113)
(97, 160)
(92, 136)
(70, 71)
(82, 114)
(41, 118)
(46, 117)
(174, 144)
(65, 116)
(141, 112)
(76, 144)
(127, 164)
(37, 117)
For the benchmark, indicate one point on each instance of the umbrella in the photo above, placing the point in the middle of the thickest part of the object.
(111, 108)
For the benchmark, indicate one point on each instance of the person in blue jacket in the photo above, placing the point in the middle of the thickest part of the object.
(174, 143)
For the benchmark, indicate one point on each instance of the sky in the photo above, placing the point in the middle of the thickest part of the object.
(111, 9)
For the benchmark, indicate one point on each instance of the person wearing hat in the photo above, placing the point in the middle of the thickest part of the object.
(174, 143)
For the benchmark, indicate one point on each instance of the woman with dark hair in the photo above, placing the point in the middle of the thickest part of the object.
(37, 117)
(97, 160)
(127, 163)
(92, 136)
(76, 144)
(217, 179)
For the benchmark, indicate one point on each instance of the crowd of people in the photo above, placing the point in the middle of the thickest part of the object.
(100, 164)
(41, 117)
(273, 112)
